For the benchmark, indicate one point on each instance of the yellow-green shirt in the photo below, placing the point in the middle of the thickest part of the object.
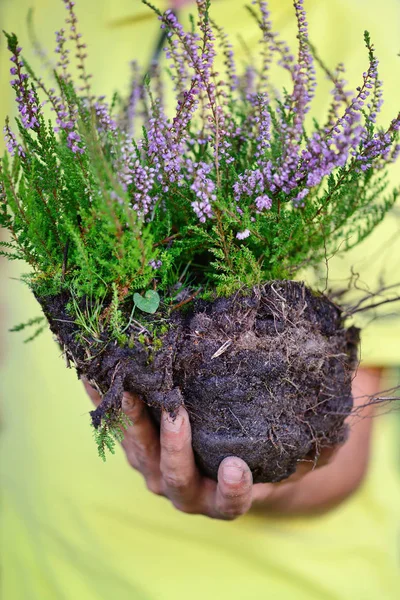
(73, 528)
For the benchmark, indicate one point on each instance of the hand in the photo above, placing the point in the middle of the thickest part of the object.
(167, 463)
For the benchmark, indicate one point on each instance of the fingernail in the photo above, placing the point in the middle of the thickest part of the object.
(232, 474)
(173, 423)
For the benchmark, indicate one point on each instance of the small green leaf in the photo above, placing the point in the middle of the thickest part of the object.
(149, 303)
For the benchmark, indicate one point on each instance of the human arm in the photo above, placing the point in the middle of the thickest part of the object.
(167, 463)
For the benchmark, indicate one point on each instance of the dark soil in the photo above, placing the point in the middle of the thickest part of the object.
(266, 377)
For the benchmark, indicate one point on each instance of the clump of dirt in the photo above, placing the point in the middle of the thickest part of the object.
(266, 377)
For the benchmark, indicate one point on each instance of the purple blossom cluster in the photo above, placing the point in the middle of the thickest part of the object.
(29, 106)
(229, 139)
(155, 264)
(143, 201)
(63, 52)
(26, 98)
(11, 142)
(165, 148)
(303, 165)
(242, 235)
(105, 122)
(138, 178)
(66, 119)
(80, 47)
(66, 114)
(197, 51)
(204, 188)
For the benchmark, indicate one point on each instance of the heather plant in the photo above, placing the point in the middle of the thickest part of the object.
(131, 207)
(229, 190)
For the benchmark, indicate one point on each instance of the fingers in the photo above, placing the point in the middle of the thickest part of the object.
(168, 465)
(181, 478)
(233, 495)
(184, 486)
(141, 442)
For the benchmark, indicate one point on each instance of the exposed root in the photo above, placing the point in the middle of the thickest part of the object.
(111, 401)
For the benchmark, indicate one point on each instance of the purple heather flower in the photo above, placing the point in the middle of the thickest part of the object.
(155, 264)
(66, 119)
(298, 201)
(266, 44)
(11, 142)
(105, 123)
(81, 54)
(340, 96)
(63, 52)
(263, 202)
(176, 55)
(250, 183)
(205, 191)
(395, 125)
(263, 125)
(73, 141)
(166, 147)
(199, 53)
(143, 197)
(28, 105)
(186, 157)
(138, 180)
(247, 83)
(242, 235)
(271, 43)
(395, 153)
(298, 103)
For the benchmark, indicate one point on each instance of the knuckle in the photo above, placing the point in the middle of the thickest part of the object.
(175, 481)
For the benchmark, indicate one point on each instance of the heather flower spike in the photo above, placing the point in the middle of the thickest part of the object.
(229, 186)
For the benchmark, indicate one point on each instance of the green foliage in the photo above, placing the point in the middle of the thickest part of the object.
(116, 318)
(243, 271)
(148, 303)
(88, 317)
(41, 321)
(110, 432)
